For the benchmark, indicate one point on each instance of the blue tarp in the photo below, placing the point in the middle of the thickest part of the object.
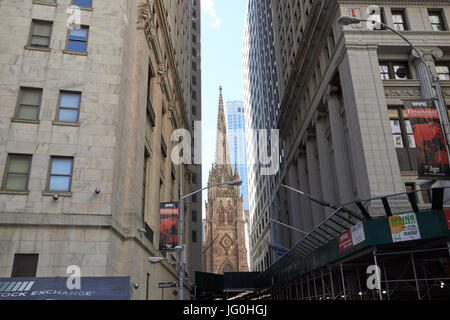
(92, 288)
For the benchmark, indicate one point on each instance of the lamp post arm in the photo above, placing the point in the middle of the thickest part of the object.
(200, 190)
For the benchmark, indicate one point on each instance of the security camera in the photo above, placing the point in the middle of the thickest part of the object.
(142, 230)
(136, 286)
(97, 191)
(55, 197)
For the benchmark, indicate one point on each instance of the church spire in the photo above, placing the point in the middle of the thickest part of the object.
(222, 156)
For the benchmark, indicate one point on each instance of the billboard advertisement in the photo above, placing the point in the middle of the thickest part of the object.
(168, 225)
(91, 288)
(431, 148)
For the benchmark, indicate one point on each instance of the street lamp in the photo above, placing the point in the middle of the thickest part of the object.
(180, 238)
(438, 98)
(154, 260)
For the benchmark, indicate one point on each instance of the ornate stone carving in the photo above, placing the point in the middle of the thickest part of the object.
(402, 92)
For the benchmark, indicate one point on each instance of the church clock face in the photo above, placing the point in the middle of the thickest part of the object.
(226, 242)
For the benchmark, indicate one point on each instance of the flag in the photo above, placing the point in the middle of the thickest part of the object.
(278, 250)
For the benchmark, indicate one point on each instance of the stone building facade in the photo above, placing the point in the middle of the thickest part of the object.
(224, 247)
(341, 103)
(86, 120)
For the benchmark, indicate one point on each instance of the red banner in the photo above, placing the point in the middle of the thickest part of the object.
(345, 241)
(168, 226)
(447, 217)
(431, 148)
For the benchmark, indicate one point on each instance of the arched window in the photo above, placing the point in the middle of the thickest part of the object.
(227, 267)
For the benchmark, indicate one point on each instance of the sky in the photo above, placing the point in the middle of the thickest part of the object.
(222, 31)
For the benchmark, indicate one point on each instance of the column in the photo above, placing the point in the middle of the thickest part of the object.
(325, 162)
(341, 157)
(426, 85)
(318, 213)
(294, 203)
(305, 203)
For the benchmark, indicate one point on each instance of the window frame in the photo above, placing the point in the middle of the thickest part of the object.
(443, 64)
(441, 15)
(49, 174)
(83, 7)
(15, 273)
(402, 12)
(6, 171)
(393, 63)
(68, 40)
(61, 92)
(30, 36)
(19, 99)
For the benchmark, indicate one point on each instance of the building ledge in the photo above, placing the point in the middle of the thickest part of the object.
(59, 193)
(25, 121)
(12, 192)
(45, 3)
(38, 49)
(75, 53)
(67, 124)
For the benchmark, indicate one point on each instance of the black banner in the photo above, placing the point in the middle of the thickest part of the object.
(168, 225)
(432, 154)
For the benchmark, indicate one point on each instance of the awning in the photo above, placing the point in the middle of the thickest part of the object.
(347, 232)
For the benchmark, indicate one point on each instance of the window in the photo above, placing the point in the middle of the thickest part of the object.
(150, 112)
(17, 173)
(437, 20)
(69, 106)
(394, 70)
(83, 3)
(194, 215)
(41, 32)
(399, 19)
(29, 104)
(163, 147)
(194, 110)
(24, 265)
(194, 236)
(60, 177)
(443, 71)
(403, 136)
(78, 38)
(194, 178)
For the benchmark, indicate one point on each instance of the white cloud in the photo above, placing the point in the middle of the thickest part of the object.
(208, 8)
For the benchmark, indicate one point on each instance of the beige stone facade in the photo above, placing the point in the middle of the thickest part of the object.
(132, 98)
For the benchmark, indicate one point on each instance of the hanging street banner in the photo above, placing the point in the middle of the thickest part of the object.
(91, 288)
(431, 148)
(352, 237)
(168, 226)
(447, 217)
(404, 227)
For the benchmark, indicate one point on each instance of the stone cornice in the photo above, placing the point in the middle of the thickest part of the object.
(166, 62)
(396, 3)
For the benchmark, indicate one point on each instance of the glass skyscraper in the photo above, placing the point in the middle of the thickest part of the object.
(235, 118)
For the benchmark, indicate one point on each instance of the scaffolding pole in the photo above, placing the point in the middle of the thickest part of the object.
(343, 282)
(378, 275)
(415, 276)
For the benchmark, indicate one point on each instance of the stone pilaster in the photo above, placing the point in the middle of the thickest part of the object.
(426, 86)
(305, 204)
(325, 162)
(318, 213)
(341, 157)
(294, 203)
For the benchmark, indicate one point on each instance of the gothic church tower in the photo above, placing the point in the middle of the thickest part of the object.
(224, 248)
